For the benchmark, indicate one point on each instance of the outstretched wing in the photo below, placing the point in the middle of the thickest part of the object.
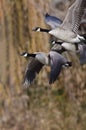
(52, 21)
(32, 69)
(74, 15)
(83, 20)
(56, 62)
(82, 56)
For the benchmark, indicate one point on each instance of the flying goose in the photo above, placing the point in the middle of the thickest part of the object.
(79, 49)
(76, 48)
(55, 60)
(68, 30)
(67, 46)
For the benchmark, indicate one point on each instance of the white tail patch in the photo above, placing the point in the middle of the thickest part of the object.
(80, 37)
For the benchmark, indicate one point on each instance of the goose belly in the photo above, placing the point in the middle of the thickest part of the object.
(69, 46)
(65, 35)
(42, 58)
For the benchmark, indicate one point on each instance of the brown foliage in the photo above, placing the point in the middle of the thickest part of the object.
(40, 108)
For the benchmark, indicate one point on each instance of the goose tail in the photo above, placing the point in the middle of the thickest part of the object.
(82, 37)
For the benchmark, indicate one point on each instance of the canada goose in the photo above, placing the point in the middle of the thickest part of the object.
(55, 60)
(79, 49)
(68, 30)
(52, 21)
(67, 46)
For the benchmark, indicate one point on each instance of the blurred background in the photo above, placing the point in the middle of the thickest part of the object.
(61, 106)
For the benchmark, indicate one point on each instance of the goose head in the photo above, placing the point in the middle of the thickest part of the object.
(37, 29)
(24, 54)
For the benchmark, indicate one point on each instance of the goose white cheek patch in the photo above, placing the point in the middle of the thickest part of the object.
(38, 30)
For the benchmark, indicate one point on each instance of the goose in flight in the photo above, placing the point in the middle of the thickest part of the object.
(68, 30)
(78, 49)
(55, 60)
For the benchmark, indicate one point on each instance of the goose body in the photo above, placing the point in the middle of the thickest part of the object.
(40, 56)
(55, 60)
(66, 46)
(69, 47)
(66, 35)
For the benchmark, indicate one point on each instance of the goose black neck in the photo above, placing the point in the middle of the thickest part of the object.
(31, 55)
(60, 43)
(59, 50)
(44, 30)
(69, 63)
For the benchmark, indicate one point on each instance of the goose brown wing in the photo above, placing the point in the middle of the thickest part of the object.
(74, 14)
(32, 69)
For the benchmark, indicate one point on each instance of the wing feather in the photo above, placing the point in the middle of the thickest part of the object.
(52, 21)
(82, 56)
(32, 69)
(74, 15)
(56, 62)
